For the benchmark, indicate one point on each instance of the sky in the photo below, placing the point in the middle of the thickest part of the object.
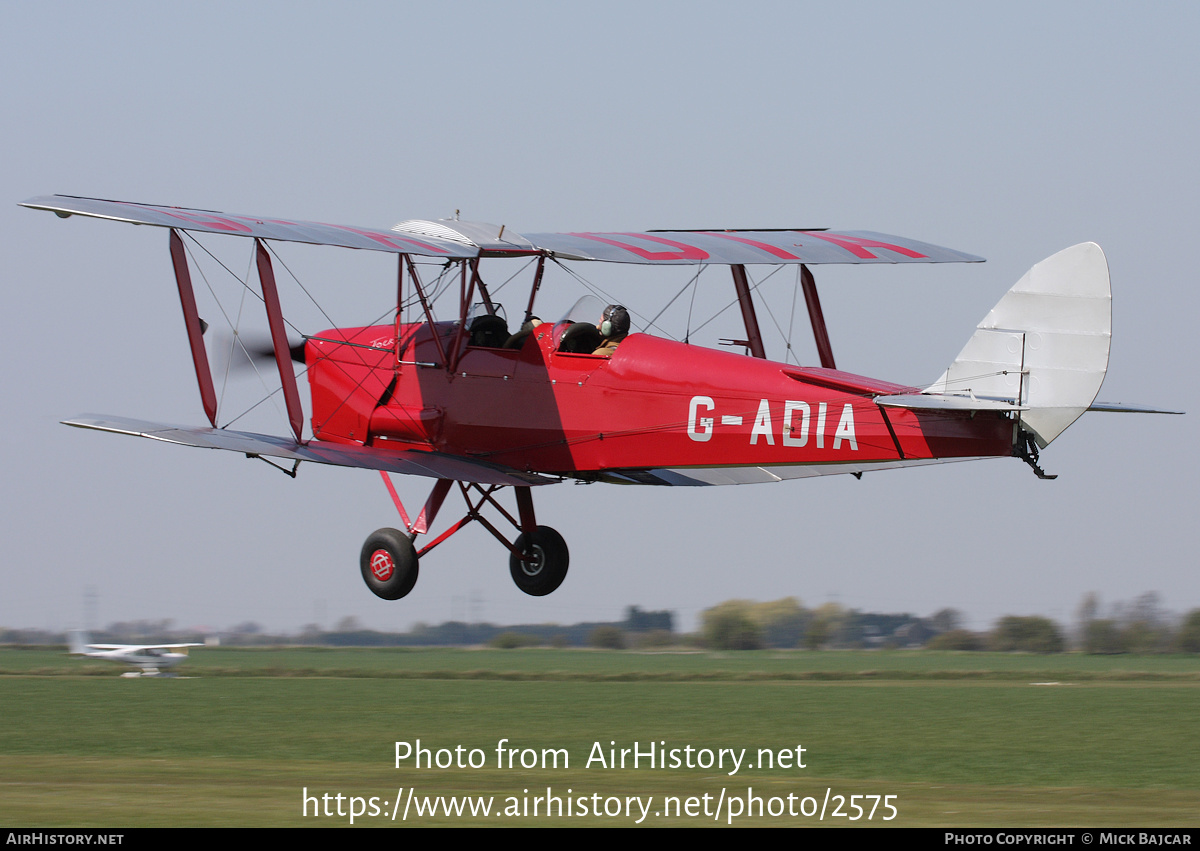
(1009, 131)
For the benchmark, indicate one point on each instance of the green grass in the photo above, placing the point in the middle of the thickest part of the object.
(670, 664)
(961, 739)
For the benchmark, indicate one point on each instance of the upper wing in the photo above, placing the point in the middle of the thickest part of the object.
(459, 239)
(745, 247)
(406, 461)
(133, 648)
(287, 230)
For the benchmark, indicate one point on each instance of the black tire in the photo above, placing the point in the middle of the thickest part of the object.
(545, 566)
(389, 564)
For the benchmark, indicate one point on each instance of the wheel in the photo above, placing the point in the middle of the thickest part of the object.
(544, 566)
(389, 564)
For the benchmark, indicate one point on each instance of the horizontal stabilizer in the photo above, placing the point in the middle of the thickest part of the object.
(1122, 408)
(413, 462)
(931, 402)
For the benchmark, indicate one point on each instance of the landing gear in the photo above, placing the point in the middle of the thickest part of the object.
(537, 558)
(389, 564)
(543, 565)
(1026, 449)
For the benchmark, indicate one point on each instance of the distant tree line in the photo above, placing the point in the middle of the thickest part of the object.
(639, 628)
(1141, 626)
(786, 623)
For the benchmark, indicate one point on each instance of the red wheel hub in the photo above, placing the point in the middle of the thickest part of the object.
(382, 565)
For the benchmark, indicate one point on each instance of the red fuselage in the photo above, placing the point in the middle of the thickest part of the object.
(654, 404)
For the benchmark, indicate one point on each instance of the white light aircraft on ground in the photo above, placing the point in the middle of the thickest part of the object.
(149, 658)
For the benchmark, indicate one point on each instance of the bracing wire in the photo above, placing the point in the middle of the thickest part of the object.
(511, 277)
(714, 317)
(693, 280)
(687, 336)
(792, 320)
(611, 299)
(234, 325)
(767, 306)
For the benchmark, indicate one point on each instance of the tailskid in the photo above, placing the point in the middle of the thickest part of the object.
(1026, 449)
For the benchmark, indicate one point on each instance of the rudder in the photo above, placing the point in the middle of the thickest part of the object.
(1044, 345)
(78, 641)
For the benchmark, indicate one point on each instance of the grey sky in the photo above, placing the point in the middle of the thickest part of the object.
(1009, 131)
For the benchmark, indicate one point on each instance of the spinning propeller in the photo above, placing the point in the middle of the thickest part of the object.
(250, 348)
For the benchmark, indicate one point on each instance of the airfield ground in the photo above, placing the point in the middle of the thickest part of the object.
(959, 739)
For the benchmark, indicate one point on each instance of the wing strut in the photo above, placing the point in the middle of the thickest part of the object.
(191, 316)
(753, 337)
(537, 285)
(483, 290)
(820, 334)
(465, 293)
(406, 260)
(399, 317)
(291, 395)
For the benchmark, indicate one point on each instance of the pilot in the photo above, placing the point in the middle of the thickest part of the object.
(613, 327)
(518, 339)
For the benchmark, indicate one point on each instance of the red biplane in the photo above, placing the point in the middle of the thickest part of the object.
(477, 405)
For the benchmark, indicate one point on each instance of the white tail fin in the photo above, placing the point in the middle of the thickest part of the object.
(1044, 346)
(79, 640)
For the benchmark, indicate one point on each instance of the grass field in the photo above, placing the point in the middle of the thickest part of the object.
(959, 739)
